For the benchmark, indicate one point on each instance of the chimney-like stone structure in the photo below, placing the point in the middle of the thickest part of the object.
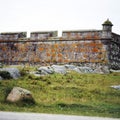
(107, 29)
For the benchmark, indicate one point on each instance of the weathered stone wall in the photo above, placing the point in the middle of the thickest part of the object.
(64, 51)
(85, 48)
(114, 52)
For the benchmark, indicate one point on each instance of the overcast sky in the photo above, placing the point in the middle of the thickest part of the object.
(43, 15)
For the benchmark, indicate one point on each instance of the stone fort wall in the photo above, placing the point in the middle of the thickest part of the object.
(114, 52)
(85, 48)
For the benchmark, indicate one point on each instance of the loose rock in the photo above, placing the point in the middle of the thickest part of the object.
(18, 94)
(116, 87)
(45, 70)
(14, 72)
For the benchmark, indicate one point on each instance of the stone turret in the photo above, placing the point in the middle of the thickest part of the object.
(107, 29)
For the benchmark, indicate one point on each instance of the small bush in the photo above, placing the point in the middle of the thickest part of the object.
(5, 75)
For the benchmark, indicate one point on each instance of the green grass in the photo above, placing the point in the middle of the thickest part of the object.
(73, 93)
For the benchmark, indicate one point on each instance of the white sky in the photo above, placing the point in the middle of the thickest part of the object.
(43, 15)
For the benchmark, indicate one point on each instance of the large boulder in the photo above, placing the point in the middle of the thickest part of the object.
(18, 94)
(14, 72)
(59, 69)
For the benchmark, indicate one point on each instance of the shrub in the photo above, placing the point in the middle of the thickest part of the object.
(5, 75)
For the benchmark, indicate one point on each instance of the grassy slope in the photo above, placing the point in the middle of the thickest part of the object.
(73, 93)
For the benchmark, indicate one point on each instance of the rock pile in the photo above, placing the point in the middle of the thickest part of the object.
(62, 69)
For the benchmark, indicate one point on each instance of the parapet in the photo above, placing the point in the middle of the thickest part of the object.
(43, 35)
(13, 35)
(81, 34)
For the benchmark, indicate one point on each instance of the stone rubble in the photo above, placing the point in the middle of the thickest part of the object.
(63, 69)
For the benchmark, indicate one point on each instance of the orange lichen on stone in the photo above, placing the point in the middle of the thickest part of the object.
(92, 44)
(66, 60)
(88, 36)
(59, 55)
(4, 48)
(56, 45)
(48, 54)
(60, 60)
(95, 50)
(82, 50)
(41, 49)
